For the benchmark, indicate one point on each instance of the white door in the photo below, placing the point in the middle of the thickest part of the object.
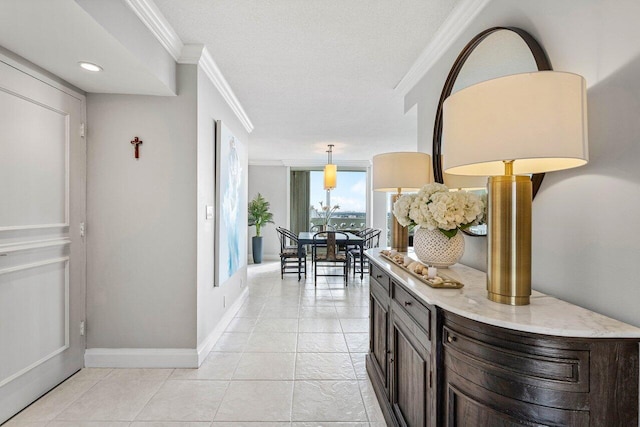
(42, 252)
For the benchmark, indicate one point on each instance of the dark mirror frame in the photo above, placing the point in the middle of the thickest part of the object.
(542, 62)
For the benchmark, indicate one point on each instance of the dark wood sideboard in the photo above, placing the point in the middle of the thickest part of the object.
(431, 366)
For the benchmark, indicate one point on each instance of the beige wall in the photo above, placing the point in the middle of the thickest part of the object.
(141, 229)
(213, 302)
(273, 183)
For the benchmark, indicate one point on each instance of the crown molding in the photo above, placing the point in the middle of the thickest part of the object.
(212, 71)
(199, 54)
(155, 21)
(447, 34)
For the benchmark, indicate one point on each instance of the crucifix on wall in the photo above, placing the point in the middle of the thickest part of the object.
(136, 142)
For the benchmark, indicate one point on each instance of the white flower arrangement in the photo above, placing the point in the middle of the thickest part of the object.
(434, 206)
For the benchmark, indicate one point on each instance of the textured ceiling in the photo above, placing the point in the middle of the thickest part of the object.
(313, 72)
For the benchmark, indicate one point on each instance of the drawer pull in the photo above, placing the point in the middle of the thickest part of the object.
(407, 303)
(451, 338)
(378, 276)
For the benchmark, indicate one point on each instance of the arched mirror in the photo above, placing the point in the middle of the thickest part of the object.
(496, 52)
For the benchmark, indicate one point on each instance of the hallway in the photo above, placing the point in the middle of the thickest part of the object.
(293, 355)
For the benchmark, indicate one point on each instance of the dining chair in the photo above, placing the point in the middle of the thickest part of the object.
(371, 240)
(334, 255)
(291, 261)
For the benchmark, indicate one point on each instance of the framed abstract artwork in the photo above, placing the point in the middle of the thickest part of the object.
(231, 204)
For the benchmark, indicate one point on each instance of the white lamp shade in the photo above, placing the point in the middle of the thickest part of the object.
(407, 171)
(537, 119)
(465, 182)
(330, 176)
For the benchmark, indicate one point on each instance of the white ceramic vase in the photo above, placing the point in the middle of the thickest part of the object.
(435, 249)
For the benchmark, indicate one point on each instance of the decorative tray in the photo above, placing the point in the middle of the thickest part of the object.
(440, 281)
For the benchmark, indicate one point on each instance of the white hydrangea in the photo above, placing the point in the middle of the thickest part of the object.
(435, 207)
(401, 209)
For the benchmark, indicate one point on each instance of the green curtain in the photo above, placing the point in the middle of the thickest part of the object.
(300, 201)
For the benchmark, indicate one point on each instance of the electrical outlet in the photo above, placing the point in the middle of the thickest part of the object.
(82, 328)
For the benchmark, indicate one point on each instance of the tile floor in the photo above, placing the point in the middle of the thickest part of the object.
(293, 356)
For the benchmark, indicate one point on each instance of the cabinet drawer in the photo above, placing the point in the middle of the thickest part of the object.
(418, 312)
(379, 276)
(566, 368)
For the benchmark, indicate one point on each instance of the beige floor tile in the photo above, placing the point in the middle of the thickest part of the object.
(374, 413)
(280, 312)
(266, 366)
(248, 424)
(251, 311)
(321, 343)
(272, 342)
(233, 342)
(256, 401)
(353, 312)
(241, 324)
(318, 312)
(319, 325)
(195, 400)
(92, 373)
(217, 366)
(112, 399)
(324, 366)
(359, 365)
(328, 424)
(88, 424)
(355, 325)
(276, 325)
(13, 423)
(51, 404)
(169, 424)
(327, 401)
(316, 301)
(357, 343)
(141, 374)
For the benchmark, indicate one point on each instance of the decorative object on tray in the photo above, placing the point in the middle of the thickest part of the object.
(439, 213)
(426, 274)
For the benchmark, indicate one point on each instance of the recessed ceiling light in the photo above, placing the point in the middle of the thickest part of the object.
(89, 66)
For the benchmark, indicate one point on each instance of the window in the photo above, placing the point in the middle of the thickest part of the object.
(350, 195)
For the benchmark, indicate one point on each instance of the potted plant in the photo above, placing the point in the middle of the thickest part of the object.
(259, 216)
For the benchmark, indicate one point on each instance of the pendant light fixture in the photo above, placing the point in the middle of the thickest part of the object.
(330, 171)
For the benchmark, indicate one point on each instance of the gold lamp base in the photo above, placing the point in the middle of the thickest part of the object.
(399, 234)
(509, 239)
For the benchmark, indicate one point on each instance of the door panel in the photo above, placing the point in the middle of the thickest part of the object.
(379, 336)
(411, 395)
(42, 255)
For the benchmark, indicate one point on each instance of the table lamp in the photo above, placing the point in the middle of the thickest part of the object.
(400, 171)
(519, 124)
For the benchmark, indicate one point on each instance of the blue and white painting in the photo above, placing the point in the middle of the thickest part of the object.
(232, 204)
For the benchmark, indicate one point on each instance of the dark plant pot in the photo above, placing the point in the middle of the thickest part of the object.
(256, 247)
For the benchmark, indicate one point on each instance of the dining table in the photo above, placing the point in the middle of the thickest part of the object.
(306, 238)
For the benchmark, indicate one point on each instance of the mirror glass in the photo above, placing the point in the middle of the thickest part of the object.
(496, 52)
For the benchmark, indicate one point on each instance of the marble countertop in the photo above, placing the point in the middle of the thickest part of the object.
(545, 315)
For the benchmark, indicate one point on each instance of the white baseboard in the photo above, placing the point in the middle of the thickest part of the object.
(162, 357)
(207, 344)
(141, 358)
